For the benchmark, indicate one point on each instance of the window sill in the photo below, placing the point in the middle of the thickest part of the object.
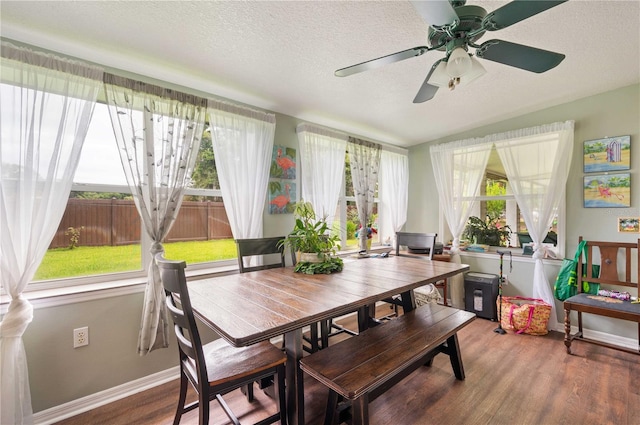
(516, 255)
(51, 297)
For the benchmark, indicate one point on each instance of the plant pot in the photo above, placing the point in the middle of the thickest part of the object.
(311, 257)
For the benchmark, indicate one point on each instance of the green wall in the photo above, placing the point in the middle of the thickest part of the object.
(612, 113)
(60, 374)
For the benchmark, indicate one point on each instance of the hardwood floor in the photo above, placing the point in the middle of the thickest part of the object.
(510, 379)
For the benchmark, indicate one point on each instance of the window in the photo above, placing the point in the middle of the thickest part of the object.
(101, 231)
(536, 160)
(346, 220)
(498, 208)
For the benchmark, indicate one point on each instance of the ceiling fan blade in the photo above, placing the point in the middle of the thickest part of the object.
(516, 11)
(519, 56)
(436, 13)
(427, 91)
(376, 63)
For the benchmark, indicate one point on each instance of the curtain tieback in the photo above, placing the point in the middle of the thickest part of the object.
(539, 251)
(19, 315)
(156, 248)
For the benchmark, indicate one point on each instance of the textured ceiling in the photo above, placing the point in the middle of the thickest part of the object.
(281, 56)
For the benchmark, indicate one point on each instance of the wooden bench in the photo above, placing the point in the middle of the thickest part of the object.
(363, 367)
(611, 272)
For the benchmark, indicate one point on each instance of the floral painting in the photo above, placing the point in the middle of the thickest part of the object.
(283, 165)
(608, 154)
(282, 197)
(607, 190)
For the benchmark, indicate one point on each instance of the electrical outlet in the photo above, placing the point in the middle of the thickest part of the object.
(80, 337)
(505, 280)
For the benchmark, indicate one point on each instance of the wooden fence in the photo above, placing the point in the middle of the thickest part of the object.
(116, 222)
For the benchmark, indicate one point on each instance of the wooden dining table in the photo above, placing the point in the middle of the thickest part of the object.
(251, 307)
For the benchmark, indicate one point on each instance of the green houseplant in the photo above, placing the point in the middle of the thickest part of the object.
(311, 238)
(488, 232)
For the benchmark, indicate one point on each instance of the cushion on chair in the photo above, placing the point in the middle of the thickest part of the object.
(427, 294)
(598, 301)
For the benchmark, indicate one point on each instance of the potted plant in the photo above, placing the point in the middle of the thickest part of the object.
(311, 238)
(488, 232)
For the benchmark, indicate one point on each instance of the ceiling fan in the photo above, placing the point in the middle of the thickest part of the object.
(454, 29)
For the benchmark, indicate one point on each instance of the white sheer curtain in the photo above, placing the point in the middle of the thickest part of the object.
(158, 133)
(393, 189)
(458, 168)
(537, 162)
(242, 144)
(322, 156)
(45, 108)
(365, 164)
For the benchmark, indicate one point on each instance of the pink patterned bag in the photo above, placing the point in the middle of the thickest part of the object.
(525, 315)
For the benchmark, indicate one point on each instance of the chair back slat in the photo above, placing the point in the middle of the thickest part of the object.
(178, 305)
(261, 247)
(615, 261)
(416, 241)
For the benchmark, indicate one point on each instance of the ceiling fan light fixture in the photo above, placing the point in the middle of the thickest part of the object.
(477, 71)
(459, 63)
(439, 77)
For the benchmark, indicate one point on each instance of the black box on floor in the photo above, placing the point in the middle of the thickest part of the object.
(480, 294)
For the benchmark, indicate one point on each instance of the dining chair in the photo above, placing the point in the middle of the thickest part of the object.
(216, 368)
(422, 244)
(269, 249)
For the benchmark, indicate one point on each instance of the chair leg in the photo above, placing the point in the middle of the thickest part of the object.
(184, 382)
(567, 330)
(313, 336)
(444, 291)
(280, 390)
(248, 391)
(203, 410)
(325, 330)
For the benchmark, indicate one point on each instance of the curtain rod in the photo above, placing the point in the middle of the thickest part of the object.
(153, 89)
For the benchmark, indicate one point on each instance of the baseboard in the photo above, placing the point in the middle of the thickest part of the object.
(84, 404)
(603, 336)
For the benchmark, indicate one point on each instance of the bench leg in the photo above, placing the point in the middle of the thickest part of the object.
(567, 330)
(360, 410)
(455, 357)
(332, 414)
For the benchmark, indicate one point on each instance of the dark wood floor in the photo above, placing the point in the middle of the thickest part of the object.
(510, 379)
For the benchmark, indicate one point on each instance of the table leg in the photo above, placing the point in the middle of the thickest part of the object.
(408, 301)
(294, 378)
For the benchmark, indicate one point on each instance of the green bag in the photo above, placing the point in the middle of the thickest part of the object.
(566, 284)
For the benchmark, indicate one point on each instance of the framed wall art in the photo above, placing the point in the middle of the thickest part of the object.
(607, 190)
(282, 197)
(608, 154)
(629, 224)
(283, 163)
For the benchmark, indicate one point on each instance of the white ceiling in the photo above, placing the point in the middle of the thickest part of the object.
(281, 56)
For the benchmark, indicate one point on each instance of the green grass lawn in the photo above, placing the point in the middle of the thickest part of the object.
(90, 260)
